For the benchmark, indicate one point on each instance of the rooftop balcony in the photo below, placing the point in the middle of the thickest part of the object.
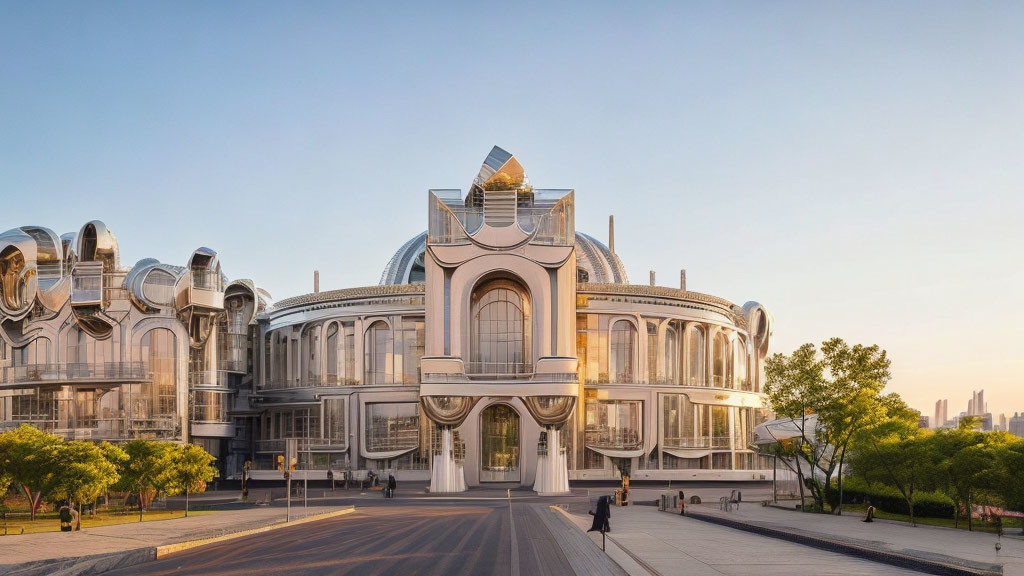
(200, 288)
(87, 284)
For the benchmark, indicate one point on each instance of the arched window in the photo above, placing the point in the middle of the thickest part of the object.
(378, 365)
(310, 366)
(623, 346)
(500, 329)
(719, 358)
(332, 354)
(671, 355)
(740, 358)
(695, 356)
(159, 359)
(652, 353)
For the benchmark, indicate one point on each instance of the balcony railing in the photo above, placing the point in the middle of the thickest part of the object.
(207, 280)
(119, 371)
(279, 445)
(111, 429)
(700, 442)
(502, 369)
(613, 438)
(209, 379)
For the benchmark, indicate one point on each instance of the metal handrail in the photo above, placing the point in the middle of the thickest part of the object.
(499, 368)
(73, 371)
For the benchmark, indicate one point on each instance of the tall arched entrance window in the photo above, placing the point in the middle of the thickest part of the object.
(159, 359)
(500, 329)
(499, 444)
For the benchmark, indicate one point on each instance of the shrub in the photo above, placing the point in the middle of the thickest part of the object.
(889, 499)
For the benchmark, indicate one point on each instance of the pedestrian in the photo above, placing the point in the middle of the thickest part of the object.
(392, 484)
(601, 516)
(66, 518)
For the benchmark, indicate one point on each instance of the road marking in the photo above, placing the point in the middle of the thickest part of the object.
(515, 544)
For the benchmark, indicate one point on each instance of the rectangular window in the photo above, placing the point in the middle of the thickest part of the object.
(614, 424)
(392, 426)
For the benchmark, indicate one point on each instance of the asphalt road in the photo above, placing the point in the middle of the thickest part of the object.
(470, 537)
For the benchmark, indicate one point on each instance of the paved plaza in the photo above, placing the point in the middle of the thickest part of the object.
(513, 532)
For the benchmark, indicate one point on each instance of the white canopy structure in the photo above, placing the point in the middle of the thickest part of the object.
(785, 429)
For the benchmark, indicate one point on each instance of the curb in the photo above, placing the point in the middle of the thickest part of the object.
(626, 556)
(883, 557)
(167, 549)
(100, 563)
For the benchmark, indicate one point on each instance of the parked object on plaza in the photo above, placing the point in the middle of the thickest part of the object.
(869, 516)
(601, 515)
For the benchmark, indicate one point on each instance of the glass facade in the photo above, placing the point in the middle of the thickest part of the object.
(499, 441)
(500, 317)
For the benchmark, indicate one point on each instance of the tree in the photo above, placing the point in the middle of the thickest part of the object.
(843, 388)
(190, 469)
(853, 398)
(1010, 471)
(897, 455)
(83, 471)
(29, 457)
(793, 385)
(145, 469)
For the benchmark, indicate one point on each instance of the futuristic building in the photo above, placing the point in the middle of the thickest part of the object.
(501, 346)
(504, 346)
(93, 350)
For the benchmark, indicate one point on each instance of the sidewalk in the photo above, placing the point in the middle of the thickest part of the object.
(958, 548)
(668, 544)
(50, 546)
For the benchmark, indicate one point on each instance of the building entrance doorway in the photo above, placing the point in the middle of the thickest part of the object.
(499, 444)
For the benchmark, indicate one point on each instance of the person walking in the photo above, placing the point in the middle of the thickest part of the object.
(392, 484)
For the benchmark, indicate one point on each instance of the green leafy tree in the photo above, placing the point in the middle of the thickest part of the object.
(1009, 479)
(144, 470)
(843, 387)
(897, 455)
(28, 456)
(190, 470)
(794, 387)
(82, 473)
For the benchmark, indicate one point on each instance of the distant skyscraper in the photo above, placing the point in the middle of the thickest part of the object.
(976, 406)
(941, 413)
(1016, 425)
(922, 421)
(1002, 422)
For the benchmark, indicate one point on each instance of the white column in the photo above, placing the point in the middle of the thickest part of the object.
(447, 475)
(552, 468)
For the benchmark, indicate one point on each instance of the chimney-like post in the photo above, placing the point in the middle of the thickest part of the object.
(316, 281)
(611, 233)
(652, 277)
(682, 278)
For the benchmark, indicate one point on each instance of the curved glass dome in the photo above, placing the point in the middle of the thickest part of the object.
(594, 262)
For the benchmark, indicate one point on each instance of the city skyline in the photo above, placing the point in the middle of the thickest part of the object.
(861, 181)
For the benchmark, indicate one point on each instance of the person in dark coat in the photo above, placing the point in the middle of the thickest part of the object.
(392, 484)
(604, 512)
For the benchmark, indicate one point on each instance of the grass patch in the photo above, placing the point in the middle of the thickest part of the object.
(50, 521)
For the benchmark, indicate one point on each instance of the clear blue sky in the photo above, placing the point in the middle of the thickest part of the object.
(857, 168)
